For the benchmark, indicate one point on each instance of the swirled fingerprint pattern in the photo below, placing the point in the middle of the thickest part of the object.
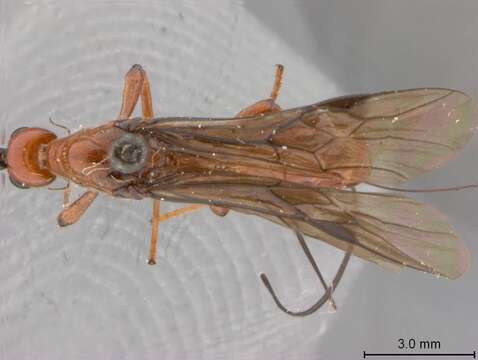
(86, 291)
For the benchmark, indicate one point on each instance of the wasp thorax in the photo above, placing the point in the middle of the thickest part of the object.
(128, 154)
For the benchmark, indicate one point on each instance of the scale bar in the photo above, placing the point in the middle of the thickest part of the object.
(473, 354)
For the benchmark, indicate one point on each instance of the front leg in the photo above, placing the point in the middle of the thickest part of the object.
(73, 212)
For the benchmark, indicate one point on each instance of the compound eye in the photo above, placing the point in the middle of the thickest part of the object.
(18, 184)
(128, 153)
(3, 158)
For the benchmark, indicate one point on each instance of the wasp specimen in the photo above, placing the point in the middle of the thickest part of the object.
(297, 168)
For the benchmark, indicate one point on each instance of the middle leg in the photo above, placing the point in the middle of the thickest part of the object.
(136, 85)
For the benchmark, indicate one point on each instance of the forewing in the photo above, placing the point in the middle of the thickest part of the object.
(404, 133)
(390, 230)
(383, 138)
(414, 131)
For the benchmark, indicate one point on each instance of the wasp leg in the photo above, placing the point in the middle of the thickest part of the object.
(267, 105)
(136, 84)
(66, 195)
(73, 212)
(178, 212)
(219, 211)
(153, 242)
(260, 107)
(277, 81)
(157, 218)
(327, 297)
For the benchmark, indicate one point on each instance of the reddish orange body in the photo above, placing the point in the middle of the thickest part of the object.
(294, 167)
(83, 158)
(72, 157)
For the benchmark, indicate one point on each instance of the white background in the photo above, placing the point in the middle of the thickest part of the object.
(85, 292)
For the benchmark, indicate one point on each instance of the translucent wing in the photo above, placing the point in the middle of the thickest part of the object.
(384, 138)
(406, 132)
(288, 166)
(390, 230)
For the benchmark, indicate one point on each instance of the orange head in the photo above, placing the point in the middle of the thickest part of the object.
(25, 157)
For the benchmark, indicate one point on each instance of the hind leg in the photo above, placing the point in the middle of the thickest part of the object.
(267, 105)
(261, 107)
(136, 87)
